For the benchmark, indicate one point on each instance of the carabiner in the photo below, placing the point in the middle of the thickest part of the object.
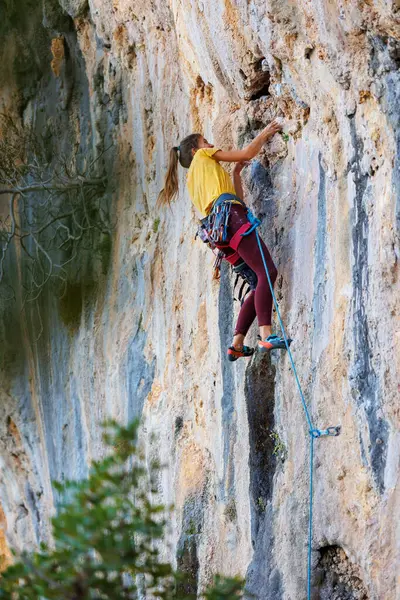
(334, 431)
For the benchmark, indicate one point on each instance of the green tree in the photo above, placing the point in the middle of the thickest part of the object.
(107, 535)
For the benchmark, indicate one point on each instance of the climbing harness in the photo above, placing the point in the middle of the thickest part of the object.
(213, 230)
(314, 433)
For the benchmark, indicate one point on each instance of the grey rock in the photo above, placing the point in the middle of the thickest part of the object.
(351, 107)
(75, 8)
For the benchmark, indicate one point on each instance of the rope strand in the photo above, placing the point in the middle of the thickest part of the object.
(313, 432)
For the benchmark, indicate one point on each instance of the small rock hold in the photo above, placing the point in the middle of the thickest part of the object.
(351, 108)
(377, 89)
(308, 51)
(364, 95)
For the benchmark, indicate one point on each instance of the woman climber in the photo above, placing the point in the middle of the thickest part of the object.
(221, 201)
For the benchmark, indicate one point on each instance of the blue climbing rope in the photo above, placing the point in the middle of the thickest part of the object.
(310, 518)
(313, 432)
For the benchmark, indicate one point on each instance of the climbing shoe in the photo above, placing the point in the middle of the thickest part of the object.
(273, 342)
(234, 354)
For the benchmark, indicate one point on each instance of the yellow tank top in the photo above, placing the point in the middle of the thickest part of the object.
(207, 180)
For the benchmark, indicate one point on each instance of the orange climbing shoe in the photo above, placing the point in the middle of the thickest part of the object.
(234, 354)
(273, 342)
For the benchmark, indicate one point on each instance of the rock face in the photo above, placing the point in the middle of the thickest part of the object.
(149, 339)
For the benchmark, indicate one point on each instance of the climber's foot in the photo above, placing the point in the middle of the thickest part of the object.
(273, 342)
(234, 354)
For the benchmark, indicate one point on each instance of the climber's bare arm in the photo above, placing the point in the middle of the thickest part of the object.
(237, 179)
(249, 151)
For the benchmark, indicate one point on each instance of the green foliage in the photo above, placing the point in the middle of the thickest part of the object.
(156, 225)
(191, 528)
(262, 505)
(285, 136)
(224, 588)
(106, 538)
(230, 511)
(279, 450)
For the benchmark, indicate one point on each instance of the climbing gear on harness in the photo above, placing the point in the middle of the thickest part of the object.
(213, 231)
(234, 354)
(218, 222)
(217, 264)
(313, 432)
(243, 271)
(273, 342)
(202, 231)
(214, 227)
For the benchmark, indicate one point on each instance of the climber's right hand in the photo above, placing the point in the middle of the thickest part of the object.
(272, 128)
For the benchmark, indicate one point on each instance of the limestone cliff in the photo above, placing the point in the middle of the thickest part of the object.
(143, 330)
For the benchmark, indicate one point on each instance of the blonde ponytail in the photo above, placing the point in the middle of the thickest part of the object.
(171, 187)
(182, 154)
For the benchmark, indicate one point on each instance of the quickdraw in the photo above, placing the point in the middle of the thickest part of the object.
(217, 264)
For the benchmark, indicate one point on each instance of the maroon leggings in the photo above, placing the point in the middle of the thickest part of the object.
(259, 302)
